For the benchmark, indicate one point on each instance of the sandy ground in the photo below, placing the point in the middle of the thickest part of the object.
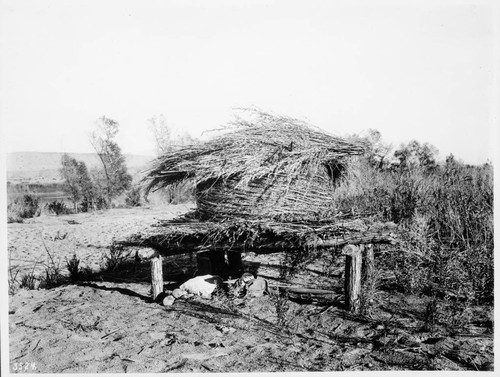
(110, 324)
(88, 235)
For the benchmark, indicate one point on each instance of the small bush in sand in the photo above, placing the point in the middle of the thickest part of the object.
(23, 208)
(73, 268)
(115, 258)
(57, 208)
(76, 272)
(53, 276)
(28, 281)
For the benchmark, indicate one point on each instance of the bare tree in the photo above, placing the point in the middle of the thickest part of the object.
(166, 138)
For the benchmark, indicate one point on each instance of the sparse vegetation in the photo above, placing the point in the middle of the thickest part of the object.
(53, 276)
(22, 208)
(73, 268)
(444, 213)
(57, 208)
(28, 281)
(115, 258)
(166, 138)
(76, 272)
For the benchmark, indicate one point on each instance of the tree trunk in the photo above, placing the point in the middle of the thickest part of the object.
(352, 284)
(157, 276)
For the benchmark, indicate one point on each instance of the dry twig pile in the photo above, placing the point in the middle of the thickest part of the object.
(269, 167)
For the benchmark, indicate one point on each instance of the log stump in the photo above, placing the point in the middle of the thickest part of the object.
(156, 276)
(352, 284)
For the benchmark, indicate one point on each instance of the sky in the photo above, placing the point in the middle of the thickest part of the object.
(412, 70)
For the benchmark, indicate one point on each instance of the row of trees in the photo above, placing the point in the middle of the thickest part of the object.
(410, 156)
(96, 188)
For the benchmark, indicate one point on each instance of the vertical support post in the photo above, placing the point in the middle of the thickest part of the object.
(156, 276)
(352, 284)
(368, 276)
(368, 264)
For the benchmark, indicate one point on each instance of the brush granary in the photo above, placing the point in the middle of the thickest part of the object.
(266, 185)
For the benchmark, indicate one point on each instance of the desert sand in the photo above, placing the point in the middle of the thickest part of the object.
(110, 324)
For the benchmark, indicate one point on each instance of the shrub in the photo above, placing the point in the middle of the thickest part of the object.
(53, 277)
(77, 273)
(57, 208)
(133, 197)
(23, 208)
(445, 222)
(73, 268)
(117, 256)
(28, 281)
(93, 202)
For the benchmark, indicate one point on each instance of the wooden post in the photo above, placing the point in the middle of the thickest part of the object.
(352, 283)
(156, 276)
(368, 264)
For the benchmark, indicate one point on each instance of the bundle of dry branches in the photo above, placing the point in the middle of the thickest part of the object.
(266, 167)
(173, 237)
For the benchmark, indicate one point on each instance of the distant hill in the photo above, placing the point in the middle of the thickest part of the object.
(43, 167)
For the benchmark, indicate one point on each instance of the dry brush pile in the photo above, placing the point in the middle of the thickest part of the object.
(268, 167)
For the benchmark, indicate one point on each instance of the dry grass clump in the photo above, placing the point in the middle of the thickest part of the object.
(266, 166)
(22, 208)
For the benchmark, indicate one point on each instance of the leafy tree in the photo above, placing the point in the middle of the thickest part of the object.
(415, 155)
(76, 177)
(116, 178)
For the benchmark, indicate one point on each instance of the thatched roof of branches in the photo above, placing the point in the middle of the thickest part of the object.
(266, 166)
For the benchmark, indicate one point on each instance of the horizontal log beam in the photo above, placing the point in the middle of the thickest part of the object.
(278, 246)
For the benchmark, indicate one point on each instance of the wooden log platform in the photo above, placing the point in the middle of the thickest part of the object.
(203, 237)
(211, 241)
